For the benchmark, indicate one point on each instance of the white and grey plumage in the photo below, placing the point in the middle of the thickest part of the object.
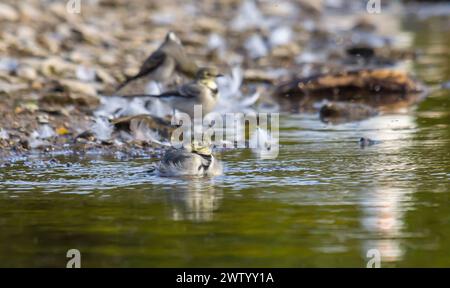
(160, 66)
(195, 161)
(202, 91)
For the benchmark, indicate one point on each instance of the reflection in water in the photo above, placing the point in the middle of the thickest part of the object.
(195, 201)
(388, 128)
(384, 205)
(383, 217)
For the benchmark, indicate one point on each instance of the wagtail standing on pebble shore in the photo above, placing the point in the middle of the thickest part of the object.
(160, 66)
(202, 91)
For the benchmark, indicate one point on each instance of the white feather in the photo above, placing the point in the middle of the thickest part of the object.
(231, 98)
(256, 47)
(4, 134)
(102, 128)
(280, 36)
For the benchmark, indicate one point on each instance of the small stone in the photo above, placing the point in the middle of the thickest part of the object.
(27, 106)
(26, 72)
(43, 119)
(50, 42)
(107, 59)
(446, 85)
(131, 71)
(85, 74)
(29, 12)
(55, 66)
(79, 87)
(104, 76)
(63, 99)
(8, 88)
(4, 134)
(36, 85)
(8, 13)
(8, 64)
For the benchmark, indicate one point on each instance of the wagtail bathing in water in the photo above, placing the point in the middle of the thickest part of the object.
(195, 160)
(202, 91)
(160, 66)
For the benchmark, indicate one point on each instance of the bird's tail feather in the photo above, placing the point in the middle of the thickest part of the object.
(124, 83)
(130, 96)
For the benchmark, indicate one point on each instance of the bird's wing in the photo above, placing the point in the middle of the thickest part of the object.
(180, 159)
(185, 91)
(150, 64)
(190, 90)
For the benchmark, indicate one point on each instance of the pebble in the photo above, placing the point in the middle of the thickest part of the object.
(79, 87)
(85, 74)
(43, 119)
(8, 64)
(4, 134)
(26, 72)
(8, 13)
(446, 85)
